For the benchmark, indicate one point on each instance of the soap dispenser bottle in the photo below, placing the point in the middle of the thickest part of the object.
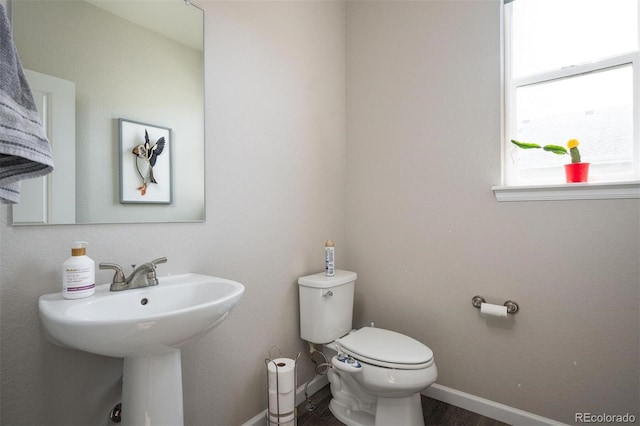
(78, 273)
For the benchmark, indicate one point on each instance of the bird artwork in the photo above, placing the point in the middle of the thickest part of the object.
(146, 157)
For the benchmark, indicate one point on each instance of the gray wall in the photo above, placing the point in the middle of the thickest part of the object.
(426, 234)
(407, 200)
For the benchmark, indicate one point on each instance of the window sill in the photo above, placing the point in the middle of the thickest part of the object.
(573, 191)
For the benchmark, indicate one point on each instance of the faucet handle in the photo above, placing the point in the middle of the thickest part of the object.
(151, 274)
(158, 260)
(118, 276)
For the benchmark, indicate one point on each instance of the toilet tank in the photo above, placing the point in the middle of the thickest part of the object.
(326, 306)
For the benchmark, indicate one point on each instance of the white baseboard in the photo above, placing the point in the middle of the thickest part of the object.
(487, 408)
(315, 385)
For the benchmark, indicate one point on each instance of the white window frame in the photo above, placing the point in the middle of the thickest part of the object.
(595, 190)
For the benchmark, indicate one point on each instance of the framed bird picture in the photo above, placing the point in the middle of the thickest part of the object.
(145, 163)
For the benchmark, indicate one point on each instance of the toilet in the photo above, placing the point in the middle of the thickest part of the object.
(377, 374)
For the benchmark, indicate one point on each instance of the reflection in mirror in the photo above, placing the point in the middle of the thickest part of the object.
(92, 63)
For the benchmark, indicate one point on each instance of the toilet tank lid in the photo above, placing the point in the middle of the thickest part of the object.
(320, 280)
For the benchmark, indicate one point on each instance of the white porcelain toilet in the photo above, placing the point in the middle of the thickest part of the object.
(377, 374)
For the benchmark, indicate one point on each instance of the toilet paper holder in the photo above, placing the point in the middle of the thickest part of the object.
(512, 307)
(274, 414)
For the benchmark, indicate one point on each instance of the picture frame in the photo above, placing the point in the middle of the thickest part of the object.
(145, 163)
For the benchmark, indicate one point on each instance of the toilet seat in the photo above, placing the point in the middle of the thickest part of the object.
(385, 348)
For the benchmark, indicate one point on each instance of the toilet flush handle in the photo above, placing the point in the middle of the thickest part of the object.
(328, 294)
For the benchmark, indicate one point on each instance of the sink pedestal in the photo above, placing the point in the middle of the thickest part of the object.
(152, 390)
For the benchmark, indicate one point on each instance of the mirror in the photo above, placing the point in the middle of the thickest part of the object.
(127, 69)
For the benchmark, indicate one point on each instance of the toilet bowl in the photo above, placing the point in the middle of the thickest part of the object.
(377, 375)
(390, 367)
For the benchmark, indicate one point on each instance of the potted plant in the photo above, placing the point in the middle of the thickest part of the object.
(576, 171)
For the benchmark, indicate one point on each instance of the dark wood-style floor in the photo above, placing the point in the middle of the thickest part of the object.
(435, 413)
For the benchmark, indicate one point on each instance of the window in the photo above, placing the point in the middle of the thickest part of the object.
(572, 70)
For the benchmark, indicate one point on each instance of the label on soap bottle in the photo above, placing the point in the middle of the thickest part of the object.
(79, 278)
(78, 281)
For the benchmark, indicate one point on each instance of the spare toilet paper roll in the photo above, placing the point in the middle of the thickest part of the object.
(283, 404)
(289, 421)
(495, 310)
(286, 413)
(282, 375)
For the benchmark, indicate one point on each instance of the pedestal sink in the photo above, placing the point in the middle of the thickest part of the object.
(146, 327)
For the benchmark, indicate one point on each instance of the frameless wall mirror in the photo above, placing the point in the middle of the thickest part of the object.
(119, 84)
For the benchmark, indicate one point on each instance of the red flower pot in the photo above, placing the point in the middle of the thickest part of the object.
(577, 172)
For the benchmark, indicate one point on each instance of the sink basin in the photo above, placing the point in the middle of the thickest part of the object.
(143, 321)
(147, 327)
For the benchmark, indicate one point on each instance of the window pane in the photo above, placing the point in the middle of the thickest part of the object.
(595, 108)
(551, 34)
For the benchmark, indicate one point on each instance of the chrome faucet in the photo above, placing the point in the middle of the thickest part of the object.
(142, 276)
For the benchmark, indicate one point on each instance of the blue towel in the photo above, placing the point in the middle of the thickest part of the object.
(24, 149)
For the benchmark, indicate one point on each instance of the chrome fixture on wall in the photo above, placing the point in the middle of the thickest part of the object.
(512, 307)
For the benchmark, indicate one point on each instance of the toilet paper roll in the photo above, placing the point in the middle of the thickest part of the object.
(284, 418)
(495, 310)
(283, 404)
(282, 375)
(274, 421)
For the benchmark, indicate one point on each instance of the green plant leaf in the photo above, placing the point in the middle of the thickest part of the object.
(525, 145)
(556, 149)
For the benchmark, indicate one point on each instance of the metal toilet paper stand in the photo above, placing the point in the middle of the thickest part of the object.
(276, 414)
